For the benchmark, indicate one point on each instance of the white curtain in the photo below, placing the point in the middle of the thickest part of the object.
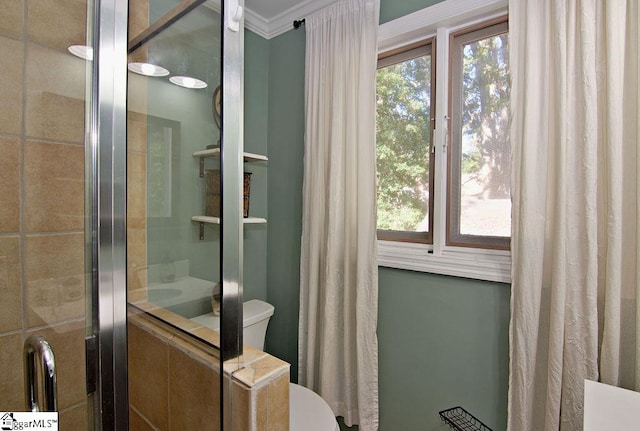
(575, 184)
(338, 350)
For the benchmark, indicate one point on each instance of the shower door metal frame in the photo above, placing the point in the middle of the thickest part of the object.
(108, 158)
(232, 167)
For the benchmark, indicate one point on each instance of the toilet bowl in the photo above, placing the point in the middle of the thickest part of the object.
(307, 410)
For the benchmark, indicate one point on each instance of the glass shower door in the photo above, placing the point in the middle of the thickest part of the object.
(174, 214)
(65, 256)
(45, 104)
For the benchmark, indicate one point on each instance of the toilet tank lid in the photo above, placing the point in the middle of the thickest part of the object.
(255, 310)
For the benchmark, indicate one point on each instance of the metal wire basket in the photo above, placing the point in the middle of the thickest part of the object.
(461, 420)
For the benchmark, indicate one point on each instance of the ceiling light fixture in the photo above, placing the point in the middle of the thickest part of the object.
(188, 82)
(147, 69)
(82, 51)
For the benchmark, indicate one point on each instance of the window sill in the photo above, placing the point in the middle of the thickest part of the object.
(481, 264)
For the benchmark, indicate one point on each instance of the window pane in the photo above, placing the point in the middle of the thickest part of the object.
(402, 145)
(480, 165)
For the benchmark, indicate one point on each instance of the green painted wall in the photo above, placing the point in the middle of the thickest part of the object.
(286, 148)
(443, 341)
(256, 109)
(177, 238)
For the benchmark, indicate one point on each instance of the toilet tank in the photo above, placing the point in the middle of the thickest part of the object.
(256, 315)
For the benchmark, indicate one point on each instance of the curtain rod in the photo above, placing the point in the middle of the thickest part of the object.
(297, 23)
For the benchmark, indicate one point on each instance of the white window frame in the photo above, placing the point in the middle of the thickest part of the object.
(440, 20)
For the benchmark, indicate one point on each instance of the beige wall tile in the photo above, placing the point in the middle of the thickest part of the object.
(10, 284)
(11, 17)
(138, 21)
(52, 256)
(138, 17)
(11, 68)
(67, 342)
(54, 187)
(241, 408)
(140, 319)
(57, 23)
(206, 355)
(135, 294)
(148, 376)
(54, 271)
(75, 418)
(136, 132)
(194, 399)
(55, 299)
(251, 354)
(207, 334)
(9, 185)
(11, 377)
(175, 319)
(136, 189)
(261, 370)
(55, 95)
(137, 422)
(140, 55)
(279, 404)
(262, 409)
(137, 264)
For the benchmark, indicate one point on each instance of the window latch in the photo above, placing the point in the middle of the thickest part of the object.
(446, 133)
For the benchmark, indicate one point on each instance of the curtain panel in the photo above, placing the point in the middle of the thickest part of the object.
(575, 310)
(338, 350)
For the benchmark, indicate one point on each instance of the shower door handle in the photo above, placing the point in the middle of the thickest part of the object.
(39, 359)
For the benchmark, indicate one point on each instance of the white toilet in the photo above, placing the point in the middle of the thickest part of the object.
(307, 410)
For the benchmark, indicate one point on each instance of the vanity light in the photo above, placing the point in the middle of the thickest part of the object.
(187, 82)
(147, 69)
(82, 51)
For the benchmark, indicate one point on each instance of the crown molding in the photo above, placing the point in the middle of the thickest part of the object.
(252, 21)
(257, 24)
(448, 11)
(281, 23)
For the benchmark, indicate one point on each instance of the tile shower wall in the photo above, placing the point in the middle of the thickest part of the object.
(182, 389)
(42, 196)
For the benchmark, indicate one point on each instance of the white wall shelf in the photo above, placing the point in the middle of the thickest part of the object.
(214, 153)
(216, 220)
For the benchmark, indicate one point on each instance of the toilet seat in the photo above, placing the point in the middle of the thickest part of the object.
(309, 412)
